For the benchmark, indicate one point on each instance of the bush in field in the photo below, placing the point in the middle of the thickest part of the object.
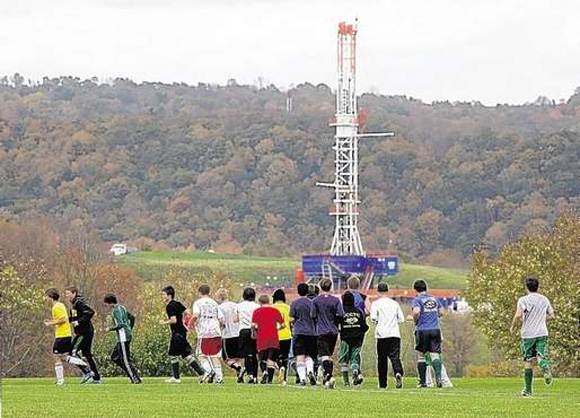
(23, 333)
(494, 286)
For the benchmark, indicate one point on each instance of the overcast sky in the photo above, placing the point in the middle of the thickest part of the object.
(494, 51)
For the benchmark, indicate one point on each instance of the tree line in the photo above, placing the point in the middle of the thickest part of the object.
(229, 168)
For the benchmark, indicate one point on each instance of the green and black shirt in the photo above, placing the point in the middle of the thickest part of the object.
(121, 324)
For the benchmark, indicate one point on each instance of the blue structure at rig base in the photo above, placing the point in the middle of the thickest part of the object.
(369, 268)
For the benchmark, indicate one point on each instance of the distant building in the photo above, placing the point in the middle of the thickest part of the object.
(119, 249)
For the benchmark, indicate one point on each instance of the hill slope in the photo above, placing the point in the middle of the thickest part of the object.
(228, 168)
(248, 269)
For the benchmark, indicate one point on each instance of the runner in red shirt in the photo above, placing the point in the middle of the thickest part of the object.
(266, 321)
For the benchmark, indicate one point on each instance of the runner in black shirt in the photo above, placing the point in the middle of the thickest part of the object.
(179, 346)
(80, 316)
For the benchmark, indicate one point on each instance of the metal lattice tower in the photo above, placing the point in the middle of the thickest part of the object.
(346, 240)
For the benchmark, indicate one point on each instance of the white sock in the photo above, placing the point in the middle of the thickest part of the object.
(59, 371)
(217, 368)
(76, 361)
(301, 369)
(309, 365)
(205, 363)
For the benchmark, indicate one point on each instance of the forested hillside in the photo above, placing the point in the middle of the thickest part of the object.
(228, 168)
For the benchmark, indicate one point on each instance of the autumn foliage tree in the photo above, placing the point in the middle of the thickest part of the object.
(495, 284)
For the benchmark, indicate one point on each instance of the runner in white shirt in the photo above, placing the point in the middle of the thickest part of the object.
(247, 348)
(206, 319)
(230, 333)
(387, 314)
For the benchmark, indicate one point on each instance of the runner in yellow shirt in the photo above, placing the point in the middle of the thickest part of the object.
(62, 335)
(284, 335)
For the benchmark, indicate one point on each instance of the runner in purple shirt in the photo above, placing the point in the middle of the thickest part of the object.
(328, 312)
(304, 335)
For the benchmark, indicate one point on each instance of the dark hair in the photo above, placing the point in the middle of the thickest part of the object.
(383, 287)
(52, 293)
(249, 294)
(313, 290)
(420, 285)
(302, 289)
(279, 295)
(72, 289)
(325, 284)
(169, 290)
(348, 299)
(264, 299)
(203, 289)
(111, 299)
(353, 283)
(532, 283)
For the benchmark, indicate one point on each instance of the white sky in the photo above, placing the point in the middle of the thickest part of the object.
(494, 51)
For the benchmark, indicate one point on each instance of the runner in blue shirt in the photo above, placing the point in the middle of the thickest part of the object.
(426, 312)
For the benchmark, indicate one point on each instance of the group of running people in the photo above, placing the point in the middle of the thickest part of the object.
(256, 339)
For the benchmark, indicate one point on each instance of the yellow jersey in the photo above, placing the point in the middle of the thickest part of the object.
(62, 330)
(284, 333)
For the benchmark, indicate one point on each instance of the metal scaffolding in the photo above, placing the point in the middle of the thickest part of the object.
(346, 240)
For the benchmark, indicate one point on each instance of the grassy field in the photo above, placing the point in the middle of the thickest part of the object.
(247, 269)
(117, 398)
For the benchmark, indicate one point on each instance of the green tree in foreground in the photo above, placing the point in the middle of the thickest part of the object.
(494, 286)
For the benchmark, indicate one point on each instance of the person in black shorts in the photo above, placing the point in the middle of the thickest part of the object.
(62, 335)
(327, 311)
(304, 340)
(80, 315)
(426, 313)
(284, 335)
(178, 346)
(230, 333)
(247, 348)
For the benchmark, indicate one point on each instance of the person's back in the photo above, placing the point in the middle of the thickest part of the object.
(304, 344)
(327, 312)
(352, 327)
(121, 324)
(230, 326)
(267, 318)
(387, 314)
(284, 309)
(429, 312)
(207, 311)
(245, 310)
(300, 310)
(352, 330)
(536, 308)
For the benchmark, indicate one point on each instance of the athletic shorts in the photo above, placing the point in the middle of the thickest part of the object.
(428, 341)
(325, 344)
(305, 345)
(350, 351)
(534, 347)
(179, 346)
(62, 345)
(210, 346)
(247, 345)
(230, 348)
(82, 343)
(269, 354)
(284, 349)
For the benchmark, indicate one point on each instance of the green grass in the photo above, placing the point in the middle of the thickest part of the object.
(117, 398)
(247, 269)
